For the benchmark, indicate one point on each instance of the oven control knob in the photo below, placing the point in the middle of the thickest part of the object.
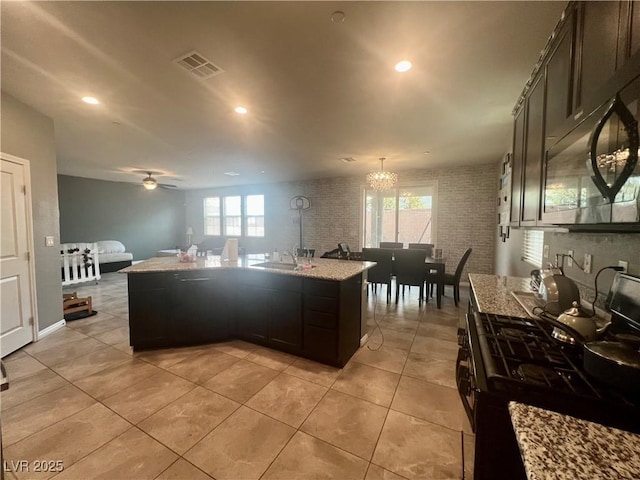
(464, 381)
(462, 337)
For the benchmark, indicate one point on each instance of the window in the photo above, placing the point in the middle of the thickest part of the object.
(255, 215)
(212, 216)
(532, 247)
(234, 216)
(404, 214)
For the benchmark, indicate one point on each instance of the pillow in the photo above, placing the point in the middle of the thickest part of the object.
(110, 246)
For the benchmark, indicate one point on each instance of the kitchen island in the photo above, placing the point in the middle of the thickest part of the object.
(313, 312)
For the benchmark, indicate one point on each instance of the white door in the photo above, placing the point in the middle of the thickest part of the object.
(17, 293)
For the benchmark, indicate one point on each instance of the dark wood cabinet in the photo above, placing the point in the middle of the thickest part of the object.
(533, 153)
(633, 33)
(598, 45)
(285, 326)
(252, 311)
(517, 166)
(559, 76)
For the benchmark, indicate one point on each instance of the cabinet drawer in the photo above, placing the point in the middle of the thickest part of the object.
(320, 319)
(285, 282)
(322, 288)
(146, 281)
(320, 304)
(320, 343)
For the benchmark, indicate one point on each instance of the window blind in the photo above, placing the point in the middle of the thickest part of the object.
(532, 245)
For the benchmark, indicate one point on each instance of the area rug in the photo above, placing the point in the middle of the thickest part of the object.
(78, 315)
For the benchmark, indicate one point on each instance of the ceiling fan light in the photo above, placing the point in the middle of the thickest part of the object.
(382, 180)
(149, 183)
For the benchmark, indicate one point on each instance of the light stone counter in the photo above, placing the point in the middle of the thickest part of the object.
(493, 293)
(323, 268)
(560, 447)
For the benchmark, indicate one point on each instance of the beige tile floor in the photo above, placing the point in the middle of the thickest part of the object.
(236, 410)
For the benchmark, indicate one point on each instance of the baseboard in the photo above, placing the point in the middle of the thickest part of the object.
(364, 339)
(51, 328)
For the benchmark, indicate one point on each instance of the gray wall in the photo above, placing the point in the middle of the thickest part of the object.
(144, 221)
(466, 214)
(28, 134)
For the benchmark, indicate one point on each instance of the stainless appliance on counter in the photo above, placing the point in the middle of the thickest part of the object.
(503, 359)
(592, 176)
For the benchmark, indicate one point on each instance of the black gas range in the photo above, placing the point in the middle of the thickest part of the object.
(502, 359)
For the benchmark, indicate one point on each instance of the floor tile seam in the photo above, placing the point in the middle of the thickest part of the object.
(143, 380)
(75, 357)
(54, 346)
(337, 446)
(318, 439)
(312, 381)
(261, 365)
(184, 459)
(4, 446)
(413, 377)
(427, 421)
(149, 415)
(44, 393)
(119, 362)
(197, 382)
(385, 468)
(355, 360)
(198, 441)
(103, 332)
(361, 398)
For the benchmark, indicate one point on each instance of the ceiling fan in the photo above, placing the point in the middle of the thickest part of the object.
(151, 183)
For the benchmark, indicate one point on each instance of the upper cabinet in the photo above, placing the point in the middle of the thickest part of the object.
(597, 57)
(593, 53)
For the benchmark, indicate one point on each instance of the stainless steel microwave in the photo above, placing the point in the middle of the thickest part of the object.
(592, 175)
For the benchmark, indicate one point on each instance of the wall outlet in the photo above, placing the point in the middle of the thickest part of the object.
(623, 264)
(587, 262)
(570, 258)
(545, 251)
(48, 241)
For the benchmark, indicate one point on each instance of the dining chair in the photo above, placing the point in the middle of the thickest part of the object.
(391, 245)
(381, 273)
(306, 252)
(424, 246)
(410, 270)
(454, 279)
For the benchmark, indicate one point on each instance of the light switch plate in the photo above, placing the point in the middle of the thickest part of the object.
(545, 251)
(48, 241)
(623, 264)
(570, 258)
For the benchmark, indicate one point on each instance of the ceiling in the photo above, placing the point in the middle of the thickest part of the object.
(316, 90)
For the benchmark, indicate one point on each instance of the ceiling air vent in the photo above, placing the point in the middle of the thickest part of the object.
(348, 159)
(199, 66)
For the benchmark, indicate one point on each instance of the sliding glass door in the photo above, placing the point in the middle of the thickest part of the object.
(405, 214)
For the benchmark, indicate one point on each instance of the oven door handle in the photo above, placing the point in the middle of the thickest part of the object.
(463, 389)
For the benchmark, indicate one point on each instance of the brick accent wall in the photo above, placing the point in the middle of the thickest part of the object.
(466, 213)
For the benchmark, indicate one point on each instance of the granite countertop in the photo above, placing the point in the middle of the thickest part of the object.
(560, 447)
(323, 268)
(493, 293)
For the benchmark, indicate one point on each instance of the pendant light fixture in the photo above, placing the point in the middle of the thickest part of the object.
(382, 180)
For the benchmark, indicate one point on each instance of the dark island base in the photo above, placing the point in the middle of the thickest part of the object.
(310, 318)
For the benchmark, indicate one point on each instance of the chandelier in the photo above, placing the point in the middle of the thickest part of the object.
(611, 161)
(382, 180)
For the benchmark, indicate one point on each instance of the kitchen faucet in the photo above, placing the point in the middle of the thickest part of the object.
(293, 257)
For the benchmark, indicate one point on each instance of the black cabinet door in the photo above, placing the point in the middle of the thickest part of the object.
(193, 318)
(634, 30)
(600, 20)
(253, 313)
(285, 326)
(148, 319)
(517, 165)
(559, 71)
(532, 168)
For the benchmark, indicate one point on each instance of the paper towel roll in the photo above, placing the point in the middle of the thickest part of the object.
(230, 250)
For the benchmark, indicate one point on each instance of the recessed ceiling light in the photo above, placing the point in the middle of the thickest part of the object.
(90, 100)
(338, 16)
(426, 152)
(241, 110)
(403, 66)
(231, 174)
